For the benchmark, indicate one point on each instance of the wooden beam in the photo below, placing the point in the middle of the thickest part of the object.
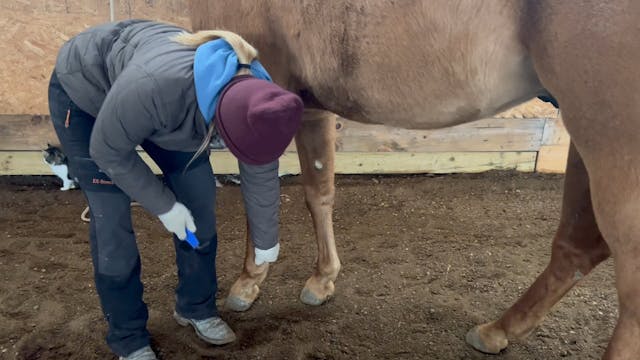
(33, 132)
(554, 151)
(555, 133)
(364, 148)
(435, 162)
(552, 159)
(481, 135)
(31, 163)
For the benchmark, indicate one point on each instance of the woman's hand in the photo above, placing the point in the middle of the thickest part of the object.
(177, 220)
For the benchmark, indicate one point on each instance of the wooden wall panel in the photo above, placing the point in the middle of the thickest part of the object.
(32, 132)
(488, 144)
(223, 162)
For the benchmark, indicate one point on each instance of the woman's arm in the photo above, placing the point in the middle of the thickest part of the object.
(126, 118)
(260, 187)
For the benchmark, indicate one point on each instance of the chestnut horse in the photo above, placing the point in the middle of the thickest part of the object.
(425, 64)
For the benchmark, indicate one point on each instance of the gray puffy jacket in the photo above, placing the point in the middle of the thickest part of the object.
(138, 83)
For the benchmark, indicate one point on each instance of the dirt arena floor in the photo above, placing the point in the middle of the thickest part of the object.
(424, 258)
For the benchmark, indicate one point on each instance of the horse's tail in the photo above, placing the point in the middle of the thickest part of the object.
(245, 51)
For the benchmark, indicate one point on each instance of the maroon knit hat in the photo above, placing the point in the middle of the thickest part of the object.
(257, 119)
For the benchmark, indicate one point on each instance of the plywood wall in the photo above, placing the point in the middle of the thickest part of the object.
(33, 31)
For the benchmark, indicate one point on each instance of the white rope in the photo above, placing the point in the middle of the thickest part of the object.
(85, 213)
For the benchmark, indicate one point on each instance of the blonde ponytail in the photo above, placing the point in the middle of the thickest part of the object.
(245, 51)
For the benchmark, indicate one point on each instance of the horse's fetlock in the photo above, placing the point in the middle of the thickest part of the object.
(331, 271)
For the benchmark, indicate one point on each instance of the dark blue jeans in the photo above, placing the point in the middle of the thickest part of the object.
(114, 252)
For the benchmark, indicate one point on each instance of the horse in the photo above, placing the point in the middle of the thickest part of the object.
(425, 64)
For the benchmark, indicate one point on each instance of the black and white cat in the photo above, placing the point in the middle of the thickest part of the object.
(57, 161)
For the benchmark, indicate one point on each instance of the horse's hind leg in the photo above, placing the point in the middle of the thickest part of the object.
(609, 144)
(577, 248)
(315, 143)
(615, 183)
(586, 55)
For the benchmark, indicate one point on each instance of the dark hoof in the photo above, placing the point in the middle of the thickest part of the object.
(236, 304)
(473, 338)
(307, 297)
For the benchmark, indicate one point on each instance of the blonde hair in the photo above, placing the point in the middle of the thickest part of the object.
(246, 54)
(245, 51)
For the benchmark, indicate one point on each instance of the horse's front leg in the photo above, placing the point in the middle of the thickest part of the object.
(246, 289)
(316, 149)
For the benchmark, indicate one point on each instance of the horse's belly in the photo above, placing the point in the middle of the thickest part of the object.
(419, 65)
(430, 102)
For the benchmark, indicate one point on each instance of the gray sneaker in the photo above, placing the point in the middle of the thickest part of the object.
(212, 330)
(144, 353)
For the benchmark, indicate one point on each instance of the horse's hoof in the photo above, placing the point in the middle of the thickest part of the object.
(475, 339)
(309, 298)
(236, 304)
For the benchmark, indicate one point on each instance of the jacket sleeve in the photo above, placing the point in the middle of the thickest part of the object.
(127, 117)
(260, 186)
